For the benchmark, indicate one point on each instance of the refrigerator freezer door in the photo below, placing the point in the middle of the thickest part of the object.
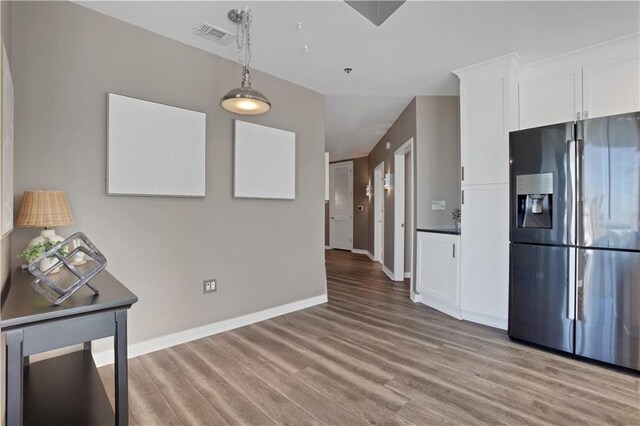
(541, 194)
(541, 301)
(609, 188)
(608, 306)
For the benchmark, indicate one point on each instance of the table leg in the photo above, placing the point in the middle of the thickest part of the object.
(14, 376)
(121, 370)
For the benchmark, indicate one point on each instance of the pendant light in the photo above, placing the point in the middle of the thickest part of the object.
(244, 100)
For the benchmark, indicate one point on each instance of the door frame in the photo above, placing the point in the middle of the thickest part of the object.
(399, 210)
(378, 213)
(332, 198)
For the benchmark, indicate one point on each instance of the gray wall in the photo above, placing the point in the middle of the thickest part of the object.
(402, 130)
(360, 218)
(5, 250)
(437, 159)
(434, 123)
(408, 216)
(5, 243)
(264, 253)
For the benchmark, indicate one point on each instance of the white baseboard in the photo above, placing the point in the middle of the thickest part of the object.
(361, 251)
(368, 253)
(327, 247)
(495, 322)
(391, 275)
(439, 305)
(388, 272)
(407, 274)
(455, 312)
(152, 345)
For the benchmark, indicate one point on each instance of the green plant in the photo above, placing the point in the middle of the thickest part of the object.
(34, 251)
(456, 214)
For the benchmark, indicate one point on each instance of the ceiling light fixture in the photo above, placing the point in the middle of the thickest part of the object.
(244, 100)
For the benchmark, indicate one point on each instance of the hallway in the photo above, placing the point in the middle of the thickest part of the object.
(371, 355)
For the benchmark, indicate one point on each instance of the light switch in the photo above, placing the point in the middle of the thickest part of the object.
(438, 205)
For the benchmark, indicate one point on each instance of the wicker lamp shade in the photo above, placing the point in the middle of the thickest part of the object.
(44, 209)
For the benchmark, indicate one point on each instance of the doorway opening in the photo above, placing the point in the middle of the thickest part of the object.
(378, 213)
(403, 212)
(341, 205)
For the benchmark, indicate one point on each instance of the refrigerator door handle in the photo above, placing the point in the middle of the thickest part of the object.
(571, 191)
(579, 191)
(580, 268)
(571, 285)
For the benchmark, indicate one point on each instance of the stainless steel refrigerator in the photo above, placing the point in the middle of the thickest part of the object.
(575, 238)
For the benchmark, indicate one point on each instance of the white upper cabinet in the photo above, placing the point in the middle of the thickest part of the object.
(611, 87)
(549, 99)
(488, 111)
(594, 82)
(484, 133)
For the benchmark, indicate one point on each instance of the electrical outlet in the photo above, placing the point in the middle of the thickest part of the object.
(209, 286)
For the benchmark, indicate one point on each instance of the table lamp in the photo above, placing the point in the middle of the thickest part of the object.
(44, 209)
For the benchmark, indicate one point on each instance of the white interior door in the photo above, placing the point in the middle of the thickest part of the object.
(378, 213)
(341, 205)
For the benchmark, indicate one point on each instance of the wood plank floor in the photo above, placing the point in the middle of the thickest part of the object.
(371, 355)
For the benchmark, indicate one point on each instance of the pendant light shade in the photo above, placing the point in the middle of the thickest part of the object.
(244, 100)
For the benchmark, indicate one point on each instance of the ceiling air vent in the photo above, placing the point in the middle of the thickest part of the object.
(216, 34)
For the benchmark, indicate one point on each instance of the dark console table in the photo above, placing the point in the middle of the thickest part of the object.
(65, 389)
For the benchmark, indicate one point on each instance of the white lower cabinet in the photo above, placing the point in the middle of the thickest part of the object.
(437, 272)
(484, 272)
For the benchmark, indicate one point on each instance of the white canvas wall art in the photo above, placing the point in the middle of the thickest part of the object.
(264, 162)
(155, 149)
(7, 146)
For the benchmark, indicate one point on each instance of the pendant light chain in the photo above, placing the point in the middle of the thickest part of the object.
(244, 100)
(243, 40)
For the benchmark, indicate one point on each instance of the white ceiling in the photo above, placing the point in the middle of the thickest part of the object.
(412, 53)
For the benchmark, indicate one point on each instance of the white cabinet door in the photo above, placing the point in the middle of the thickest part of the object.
(550, 99)
(484, 146)
(611, 87)
(484, 278)
(437, 282)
